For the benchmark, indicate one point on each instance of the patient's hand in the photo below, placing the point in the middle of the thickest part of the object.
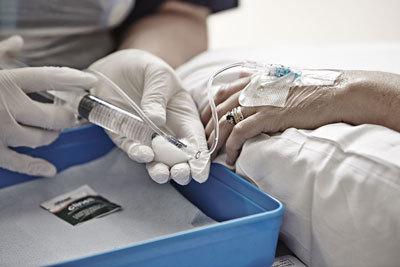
(357, 97)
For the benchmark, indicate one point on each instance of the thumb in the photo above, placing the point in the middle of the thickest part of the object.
(21, 163)
(160, 85)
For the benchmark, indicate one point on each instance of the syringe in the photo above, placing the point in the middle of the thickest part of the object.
(108, 116)
(113, 118)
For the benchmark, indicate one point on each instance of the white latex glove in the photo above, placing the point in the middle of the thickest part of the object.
(25, 122)
(10, 47)
(153, 85)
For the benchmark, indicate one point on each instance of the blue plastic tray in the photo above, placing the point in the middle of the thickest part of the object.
(249, 219)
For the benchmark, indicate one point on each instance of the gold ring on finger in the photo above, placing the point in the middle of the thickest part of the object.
(234, 116)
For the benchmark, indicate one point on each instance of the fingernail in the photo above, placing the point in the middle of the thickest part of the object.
(183, 180)
(209, 144)
(46, 170)
(160, 178)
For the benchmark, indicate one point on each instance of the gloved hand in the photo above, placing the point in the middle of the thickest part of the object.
(10, 47)
(25, 122)
(153, 85)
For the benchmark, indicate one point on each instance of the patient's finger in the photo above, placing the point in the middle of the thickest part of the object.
(245, 74)
(224, 92)
(249, 127)
(222, 109)
(224, 130)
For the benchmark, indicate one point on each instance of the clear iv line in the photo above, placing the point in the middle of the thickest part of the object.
(211, 102)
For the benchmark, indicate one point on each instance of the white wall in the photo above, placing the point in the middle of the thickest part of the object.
(274, 22)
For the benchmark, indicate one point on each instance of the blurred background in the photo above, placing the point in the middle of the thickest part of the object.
(318, 22)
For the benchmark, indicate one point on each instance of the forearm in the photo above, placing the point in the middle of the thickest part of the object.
(372, 97)
(176, 33)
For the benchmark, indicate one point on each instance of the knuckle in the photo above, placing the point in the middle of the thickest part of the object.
(222, 126)
(274, 125)
(220, 95)
(230, 146)
(266, 111)
(204, 113)
(239, 130)
(235, 139)
(133, 56)
(223, 123)
(220, 111)
(163, 68)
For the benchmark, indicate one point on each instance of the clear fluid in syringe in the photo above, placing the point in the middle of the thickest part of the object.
(114, 119)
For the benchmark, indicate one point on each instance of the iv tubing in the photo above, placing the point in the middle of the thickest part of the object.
(212, 103)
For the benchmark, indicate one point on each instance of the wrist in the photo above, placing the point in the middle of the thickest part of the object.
(360, 101)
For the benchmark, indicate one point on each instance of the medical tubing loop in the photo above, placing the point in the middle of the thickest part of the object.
(211, 101)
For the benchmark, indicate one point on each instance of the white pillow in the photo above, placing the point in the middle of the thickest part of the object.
(341, 188)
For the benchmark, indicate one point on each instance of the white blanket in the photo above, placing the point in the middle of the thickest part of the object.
(342, 187)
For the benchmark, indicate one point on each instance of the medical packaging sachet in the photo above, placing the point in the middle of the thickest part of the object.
(80, 205)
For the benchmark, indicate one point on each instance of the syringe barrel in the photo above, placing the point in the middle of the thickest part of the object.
(114, 119)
